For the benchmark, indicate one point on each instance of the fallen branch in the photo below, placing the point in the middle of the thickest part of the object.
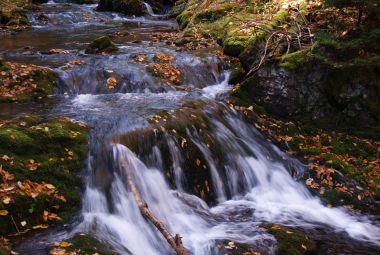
(174, 241)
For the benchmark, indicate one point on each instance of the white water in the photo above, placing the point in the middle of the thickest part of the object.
(261, 187)
(151, 12)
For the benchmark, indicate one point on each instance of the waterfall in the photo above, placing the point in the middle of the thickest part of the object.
(255, 175)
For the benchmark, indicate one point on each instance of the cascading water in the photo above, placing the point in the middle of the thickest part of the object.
(261, 188)
(251, 181)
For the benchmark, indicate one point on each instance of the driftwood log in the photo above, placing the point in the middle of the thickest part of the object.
(174, 241)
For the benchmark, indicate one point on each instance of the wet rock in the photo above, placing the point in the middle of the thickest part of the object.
(291, 241)
(16, 17)
(237, 73)
(182, 41)
(127, 7)
(101, 44)
(318, 92)
(43, 18)
(25, 82)
(83, 1)
(40, 1)
(81, 244)
(235, 248)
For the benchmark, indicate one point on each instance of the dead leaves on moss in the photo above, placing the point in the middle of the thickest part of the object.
(327, 151)
(17, 80)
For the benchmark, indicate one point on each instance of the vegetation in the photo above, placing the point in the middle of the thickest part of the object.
(39, 161)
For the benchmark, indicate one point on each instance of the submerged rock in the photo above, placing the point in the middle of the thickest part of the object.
(127, 7)
(101, 44)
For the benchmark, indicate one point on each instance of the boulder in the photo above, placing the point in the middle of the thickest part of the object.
(127, 7)
(101, 44)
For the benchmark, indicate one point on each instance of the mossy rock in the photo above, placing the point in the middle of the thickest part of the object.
(16, 17)
(233, 46)
(237, 73)
(101, 44)
(36, 153)
(177, 9)
(84, 244)
(209, 15)
(296, 59)
(291, 241)
(127, 7)
(39, 83)
(184, 19)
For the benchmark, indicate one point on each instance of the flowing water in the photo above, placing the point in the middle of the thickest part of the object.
(251, 181)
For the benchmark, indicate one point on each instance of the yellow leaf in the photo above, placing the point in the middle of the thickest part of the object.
(49, 186)
(6, 200)
(3, 212)
(40, 226)
(64, 244)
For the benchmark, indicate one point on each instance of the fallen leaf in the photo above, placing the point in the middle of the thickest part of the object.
(3, 212)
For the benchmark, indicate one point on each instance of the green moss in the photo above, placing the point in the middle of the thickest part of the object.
(58, 148)
(296, 59)
(45, 80)
(345, 168)
(291, 241)
(101, 44)
(209, 15)
(237, 73)
(337, 198)
(233, 46)
(310, 151)
(177, 9)
(86, 245)
(3, 251)
(279, 18)
(183, 19)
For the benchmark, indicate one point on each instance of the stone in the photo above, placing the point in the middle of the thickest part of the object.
(127, 7)
(101, 44)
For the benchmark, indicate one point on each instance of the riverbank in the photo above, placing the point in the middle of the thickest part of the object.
(300, 60)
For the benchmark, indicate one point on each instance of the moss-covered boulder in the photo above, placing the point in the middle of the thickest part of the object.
(100, 45)
(26, 82)
(127, 7)
(39, 161)
(16, 17)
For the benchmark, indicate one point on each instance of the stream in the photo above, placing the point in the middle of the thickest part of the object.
(250, 177)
